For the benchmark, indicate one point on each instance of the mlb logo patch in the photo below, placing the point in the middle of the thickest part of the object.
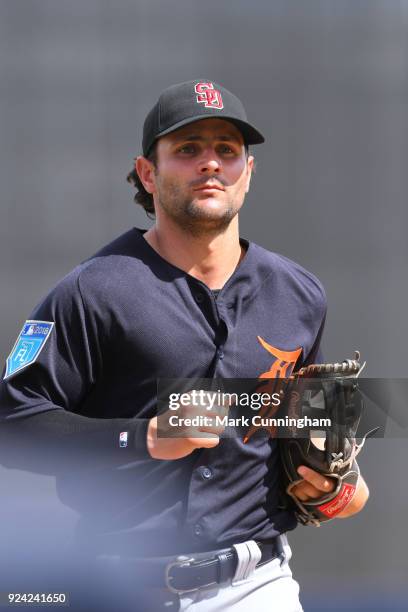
(123, 439)
(28, 346)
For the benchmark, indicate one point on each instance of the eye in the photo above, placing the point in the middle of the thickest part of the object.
(187, 149)
(226, 149)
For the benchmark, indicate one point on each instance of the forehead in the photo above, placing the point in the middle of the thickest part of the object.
(207, 129)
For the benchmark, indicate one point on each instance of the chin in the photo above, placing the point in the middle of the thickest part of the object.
(212, 206)
(209, 213)
(212, 201)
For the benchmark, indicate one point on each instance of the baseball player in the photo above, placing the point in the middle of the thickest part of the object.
(191, 522)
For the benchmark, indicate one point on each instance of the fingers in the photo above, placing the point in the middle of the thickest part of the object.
(203, 419)
(207, 434)
(320, 482)
(305, 491)
(313, 485)
(192, 424)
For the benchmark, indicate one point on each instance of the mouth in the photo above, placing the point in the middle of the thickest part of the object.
(209, 187)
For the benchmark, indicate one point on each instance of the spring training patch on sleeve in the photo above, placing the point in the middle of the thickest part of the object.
(28, 346)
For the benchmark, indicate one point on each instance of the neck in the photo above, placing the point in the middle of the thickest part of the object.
(211, 258)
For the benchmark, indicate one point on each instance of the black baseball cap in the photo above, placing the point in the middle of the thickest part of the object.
(191, 101)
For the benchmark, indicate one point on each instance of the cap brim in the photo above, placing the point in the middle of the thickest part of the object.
(251, 135)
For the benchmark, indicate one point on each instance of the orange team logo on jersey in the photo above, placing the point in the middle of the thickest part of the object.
(284, 362)
(282, 367)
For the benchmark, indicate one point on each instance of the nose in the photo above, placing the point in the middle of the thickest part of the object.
(209, 165)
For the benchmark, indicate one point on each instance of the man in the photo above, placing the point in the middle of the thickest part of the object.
(195, 520)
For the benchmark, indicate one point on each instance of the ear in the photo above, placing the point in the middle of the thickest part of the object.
(250, 167)
(145, 171)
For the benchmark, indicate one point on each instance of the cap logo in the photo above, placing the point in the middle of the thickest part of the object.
(210, 97)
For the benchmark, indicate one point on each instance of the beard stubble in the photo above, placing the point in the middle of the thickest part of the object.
(188, 215)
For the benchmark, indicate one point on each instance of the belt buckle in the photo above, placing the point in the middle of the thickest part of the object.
(181, 561)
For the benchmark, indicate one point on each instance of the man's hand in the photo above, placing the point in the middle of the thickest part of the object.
(314, 485)
(168, 442)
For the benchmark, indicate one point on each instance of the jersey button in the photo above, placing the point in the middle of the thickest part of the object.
(199, 298)
(206, 472)
(198, 530)
(220, 353)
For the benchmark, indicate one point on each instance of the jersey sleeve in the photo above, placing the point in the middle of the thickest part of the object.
(316, 354)
(40, 403)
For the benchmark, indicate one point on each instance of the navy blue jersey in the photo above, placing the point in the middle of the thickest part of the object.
(123, 319)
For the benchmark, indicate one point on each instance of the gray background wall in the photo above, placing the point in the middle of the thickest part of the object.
(327, 82)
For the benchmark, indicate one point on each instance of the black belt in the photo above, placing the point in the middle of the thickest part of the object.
(193, 572)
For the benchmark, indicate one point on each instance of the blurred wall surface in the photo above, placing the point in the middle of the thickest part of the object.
(327, 82)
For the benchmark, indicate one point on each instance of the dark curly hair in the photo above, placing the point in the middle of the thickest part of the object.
(142, 197)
